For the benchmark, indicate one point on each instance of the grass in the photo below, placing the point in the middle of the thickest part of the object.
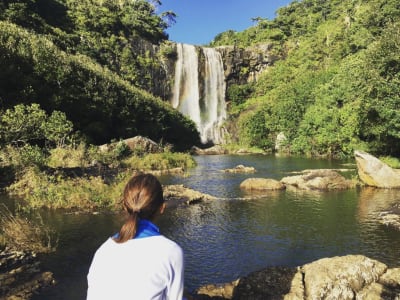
(17, 232)
(160, 161)
(56, 190)
(392, 162)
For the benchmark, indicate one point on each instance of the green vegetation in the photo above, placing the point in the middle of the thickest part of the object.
(51, 170)
(98, 187)
(336, 86)
(92, 61)
(100, 104)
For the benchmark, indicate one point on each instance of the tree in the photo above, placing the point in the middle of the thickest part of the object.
(26, 124)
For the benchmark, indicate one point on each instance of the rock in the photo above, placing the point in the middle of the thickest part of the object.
(269, 283)
(240, 169)
(137, 143)
(20, 275)
(177, 194)
(341, 277)
(373, 172)
(215, 150)
(280, 141)
(261, 184)
(391, 220)
(219, 291)
(318, 179)
(142, 144)
(254, 59)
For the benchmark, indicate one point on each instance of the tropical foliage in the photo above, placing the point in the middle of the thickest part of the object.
(336, 85)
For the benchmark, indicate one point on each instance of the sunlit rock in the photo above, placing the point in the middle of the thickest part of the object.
(177, 194)
(261, 184)
(318, 180)
(340, 277)
(240, 169)
(374, 172)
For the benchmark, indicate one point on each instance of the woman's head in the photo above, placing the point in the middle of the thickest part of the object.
(142, 199)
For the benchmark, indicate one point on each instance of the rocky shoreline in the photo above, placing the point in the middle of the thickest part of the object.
(21, 276)
(342, 277)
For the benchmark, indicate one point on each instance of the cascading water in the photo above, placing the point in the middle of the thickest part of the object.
(201, 98)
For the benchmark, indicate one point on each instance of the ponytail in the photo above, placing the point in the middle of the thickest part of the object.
(128, 230)
(142, 198)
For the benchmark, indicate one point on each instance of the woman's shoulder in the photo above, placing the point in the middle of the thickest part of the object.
(167, 242)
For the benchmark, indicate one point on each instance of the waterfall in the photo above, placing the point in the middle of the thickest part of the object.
(199, 90)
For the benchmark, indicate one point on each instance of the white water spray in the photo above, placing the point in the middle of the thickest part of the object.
(206, 107)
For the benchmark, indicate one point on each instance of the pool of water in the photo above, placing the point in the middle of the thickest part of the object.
(236, 234)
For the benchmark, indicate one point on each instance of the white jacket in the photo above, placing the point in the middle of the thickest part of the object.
(150, 268)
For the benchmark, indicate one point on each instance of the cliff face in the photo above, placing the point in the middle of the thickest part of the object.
(241, 65)
(158, 74)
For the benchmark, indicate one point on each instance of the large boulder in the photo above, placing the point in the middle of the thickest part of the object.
(261, 184)
(374, 172)
(318, 179)
(137, 143)
(142, 144)
(341, 277)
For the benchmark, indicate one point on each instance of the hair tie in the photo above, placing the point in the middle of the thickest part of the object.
(131, 211)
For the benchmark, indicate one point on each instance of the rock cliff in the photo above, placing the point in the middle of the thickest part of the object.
(241, 65)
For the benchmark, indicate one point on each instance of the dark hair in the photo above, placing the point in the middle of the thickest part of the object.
(142, 198)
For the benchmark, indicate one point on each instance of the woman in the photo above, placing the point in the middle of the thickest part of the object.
(138, 262)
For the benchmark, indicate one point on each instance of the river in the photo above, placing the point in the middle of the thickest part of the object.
(236, 234)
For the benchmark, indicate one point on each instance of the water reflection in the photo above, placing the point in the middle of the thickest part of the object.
(372, 201)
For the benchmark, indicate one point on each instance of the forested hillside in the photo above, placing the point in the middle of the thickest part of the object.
(79, 57)
(336, 87)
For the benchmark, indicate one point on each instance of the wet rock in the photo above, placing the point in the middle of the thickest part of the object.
(374, 172)
(319, 179)
(20, 275)
(261, 184)
(179, 194)
(240, 169)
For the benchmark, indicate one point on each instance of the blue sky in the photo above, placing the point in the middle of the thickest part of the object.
(199, 21)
